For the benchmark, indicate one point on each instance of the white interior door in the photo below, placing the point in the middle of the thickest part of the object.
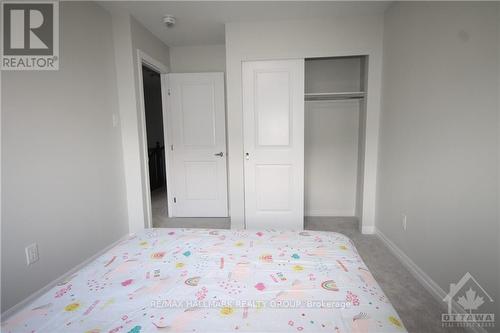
(273, 113)
(199, 145)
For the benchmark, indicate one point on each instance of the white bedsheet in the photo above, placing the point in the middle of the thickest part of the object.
(196, 280)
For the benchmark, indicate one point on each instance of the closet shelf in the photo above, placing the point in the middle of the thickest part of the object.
(334, 96)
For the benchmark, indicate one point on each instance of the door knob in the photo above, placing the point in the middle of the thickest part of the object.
(221, 154)
(247, 156)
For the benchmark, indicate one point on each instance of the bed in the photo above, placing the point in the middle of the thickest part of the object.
(199, 280)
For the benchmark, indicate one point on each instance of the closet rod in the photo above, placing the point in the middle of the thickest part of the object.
(334, 96)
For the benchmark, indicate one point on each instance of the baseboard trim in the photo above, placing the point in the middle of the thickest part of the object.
(368, 230)
(329, 212)
(19, 306)
(427, 282)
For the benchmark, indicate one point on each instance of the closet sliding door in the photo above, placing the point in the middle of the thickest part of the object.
(273, 115)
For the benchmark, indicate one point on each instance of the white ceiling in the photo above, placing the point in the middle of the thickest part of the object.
(202, 22)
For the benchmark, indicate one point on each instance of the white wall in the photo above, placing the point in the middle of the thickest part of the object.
(198, 58)
(330, 157)
(144, 40)
(302, 39)
(129, 36)
(62, 167)
(439, 139)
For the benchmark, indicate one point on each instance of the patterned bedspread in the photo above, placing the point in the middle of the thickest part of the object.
(197, 280)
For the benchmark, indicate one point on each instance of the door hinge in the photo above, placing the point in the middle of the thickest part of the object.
(168, 91)
(172, 147)
(175, 200)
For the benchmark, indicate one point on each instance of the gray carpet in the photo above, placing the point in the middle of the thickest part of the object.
(418, 309)
(420, 312)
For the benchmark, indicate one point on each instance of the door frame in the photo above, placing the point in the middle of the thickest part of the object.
(143, 59)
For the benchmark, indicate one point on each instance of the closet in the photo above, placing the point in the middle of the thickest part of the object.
(334, 111)
(303, 124)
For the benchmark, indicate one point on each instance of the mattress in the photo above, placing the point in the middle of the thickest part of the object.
(198, 280)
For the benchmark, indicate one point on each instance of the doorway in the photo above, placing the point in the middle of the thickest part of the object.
(183, 135)
(153, 127)
(155, 134)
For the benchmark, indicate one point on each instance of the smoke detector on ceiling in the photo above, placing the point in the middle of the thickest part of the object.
(169, 20)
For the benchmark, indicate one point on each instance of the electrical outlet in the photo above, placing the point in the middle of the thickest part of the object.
(31, 253)
(403, 221)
